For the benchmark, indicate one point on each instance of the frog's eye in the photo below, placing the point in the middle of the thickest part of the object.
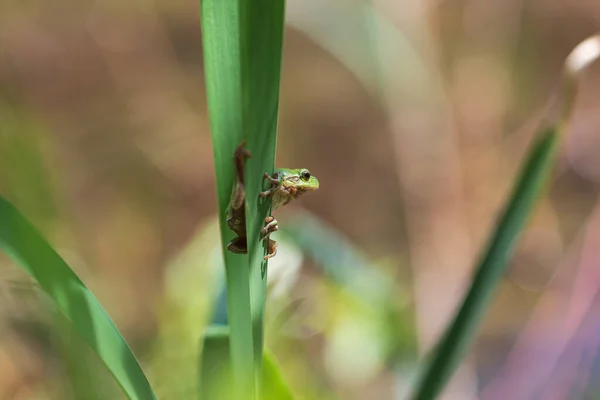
(305, 175)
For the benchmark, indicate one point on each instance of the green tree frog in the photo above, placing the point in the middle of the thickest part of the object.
(286, 185)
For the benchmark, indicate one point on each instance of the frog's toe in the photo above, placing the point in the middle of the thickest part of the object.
(272, 250)
(267, 193)
(270, 227)
(273, 179)
(269, 231)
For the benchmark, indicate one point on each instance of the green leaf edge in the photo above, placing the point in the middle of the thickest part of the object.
(221, 46)
(455, 342)
(20, 240)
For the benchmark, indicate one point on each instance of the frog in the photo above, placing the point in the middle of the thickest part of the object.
(286, 185)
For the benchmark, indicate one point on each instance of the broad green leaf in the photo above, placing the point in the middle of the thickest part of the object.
(21, 242)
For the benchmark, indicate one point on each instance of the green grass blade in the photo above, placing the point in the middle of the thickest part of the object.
(459, 335)
(21, 242)
(221, 46)
(243, 45)
(262, 26)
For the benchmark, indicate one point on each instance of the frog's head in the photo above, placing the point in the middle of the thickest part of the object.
(292, 184)
(300, 179)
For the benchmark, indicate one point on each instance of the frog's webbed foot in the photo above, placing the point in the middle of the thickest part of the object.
(270, 227)
(238, 245)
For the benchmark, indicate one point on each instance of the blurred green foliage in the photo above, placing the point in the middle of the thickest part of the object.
(105, 147)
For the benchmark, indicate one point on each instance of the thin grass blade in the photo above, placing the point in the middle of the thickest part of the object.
(243, 43)
(221, 46)
(459, 335)
(262, 26)
(22, 243)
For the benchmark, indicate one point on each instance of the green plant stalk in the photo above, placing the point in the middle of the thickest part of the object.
(23, 244)
(262, 24)
(221, 46)
(243, 45)
(459, 335)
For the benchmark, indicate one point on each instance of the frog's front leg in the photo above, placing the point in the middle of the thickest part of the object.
(270, 227)
(266, 193)
(274, 185)
(273, 179)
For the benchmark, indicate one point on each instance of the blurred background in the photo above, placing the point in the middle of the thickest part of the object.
(414, 116)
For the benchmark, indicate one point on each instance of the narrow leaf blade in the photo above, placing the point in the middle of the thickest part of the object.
(221, 46)
(262, 25)
(21, 242)
(459, 335)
